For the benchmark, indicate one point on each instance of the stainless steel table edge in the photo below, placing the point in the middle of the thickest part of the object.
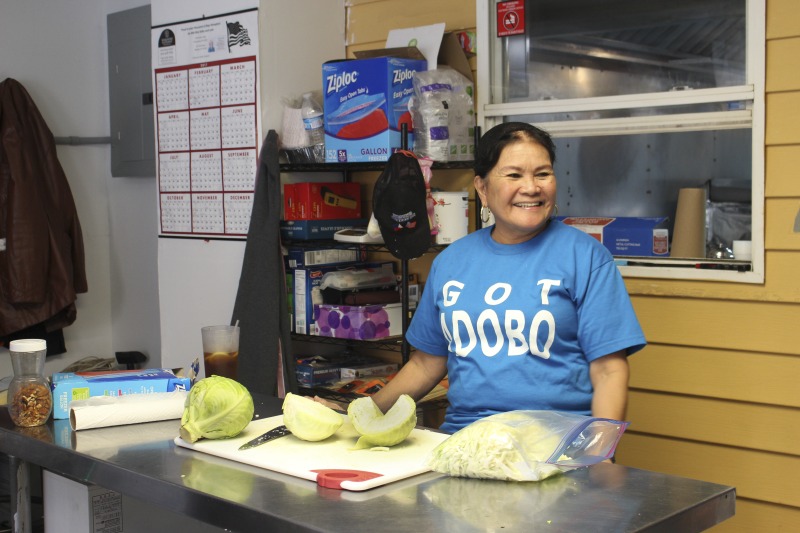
(168, 494)
(675, 504)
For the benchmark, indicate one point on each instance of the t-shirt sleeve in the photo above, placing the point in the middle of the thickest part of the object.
(425, 331)
(607, 321)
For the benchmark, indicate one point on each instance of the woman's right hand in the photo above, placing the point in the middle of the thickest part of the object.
(331, 404)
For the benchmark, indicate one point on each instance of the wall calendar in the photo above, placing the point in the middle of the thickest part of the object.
(208, 132)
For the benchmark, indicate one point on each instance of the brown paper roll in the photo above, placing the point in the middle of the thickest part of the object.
(689, 234)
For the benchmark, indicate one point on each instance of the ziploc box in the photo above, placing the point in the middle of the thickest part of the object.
(365, 105)
(321, 201)
(636, 236)
(68, 386)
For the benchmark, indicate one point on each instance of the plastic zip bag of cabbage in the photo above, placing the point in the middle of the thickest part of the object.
(527, 445)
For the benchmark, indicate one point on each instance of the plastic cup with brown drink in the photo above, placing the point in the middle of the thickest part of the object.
(221, 350)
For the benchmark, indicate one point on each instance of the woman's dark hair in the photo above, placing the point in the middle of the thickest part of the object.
(492, 143)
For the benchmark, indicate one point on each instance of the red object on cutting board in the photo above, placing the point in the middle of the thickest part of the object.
(332, 478)
(333, 462)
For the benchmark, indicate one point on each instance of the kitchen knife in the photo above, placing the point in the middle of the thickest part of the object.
(272, 434)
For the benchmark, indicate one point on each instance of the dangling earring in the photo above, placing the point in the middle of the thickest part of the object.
(485, 214)
(555, 211)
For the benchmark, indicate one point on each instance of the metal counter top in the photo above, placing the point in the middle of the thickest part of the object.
(143, 462)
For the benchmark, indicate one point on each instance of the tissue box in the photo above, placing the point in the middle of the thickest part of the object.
(626, 235)
(360, 322)
(68, 386)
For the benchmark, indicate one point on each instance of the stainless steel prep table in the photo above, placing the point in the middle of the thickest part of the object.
(143, 462)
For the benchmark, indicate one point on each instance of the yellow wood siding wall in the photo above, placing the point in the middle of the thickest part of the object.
(715, 395)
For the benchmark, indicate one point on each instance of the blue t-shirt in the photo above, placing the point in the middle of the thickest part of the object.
(520, 323)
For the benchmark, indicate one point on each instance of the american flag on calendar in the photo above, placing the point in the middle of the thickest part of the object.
(237, 35)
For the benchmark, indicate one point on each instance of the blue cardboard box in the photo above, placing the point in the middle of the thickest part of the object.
(635, 236)
(365, 105)
(305, 230)
(68, 386)
(312, 371)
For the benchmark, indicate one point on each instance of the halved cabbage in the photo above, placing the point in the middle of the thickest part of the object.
(378, 429)
(309, 420)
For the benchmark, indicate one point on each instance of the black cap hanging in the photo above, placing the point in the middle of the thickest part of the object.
(398, 204)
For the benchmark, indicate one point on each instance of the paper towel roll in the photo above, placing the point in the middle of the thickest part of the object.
(689, 234)
(104, 411)
(451, 211)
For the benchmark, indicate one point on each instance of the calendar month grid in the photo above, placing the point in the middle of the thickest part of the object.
(207, 119)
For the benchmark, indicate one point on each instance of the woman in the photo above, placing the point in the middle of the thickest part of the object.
(526, 314)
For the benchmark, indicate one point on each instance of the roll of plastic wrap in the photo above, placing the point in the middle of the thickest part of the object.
(104, 411)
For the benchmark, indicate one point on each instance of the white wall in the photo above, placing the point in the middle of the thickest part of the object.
(198, 279)
(58, 51)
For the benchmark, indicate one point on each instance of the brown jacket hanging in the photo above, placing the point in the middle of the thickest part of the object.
(41, 246)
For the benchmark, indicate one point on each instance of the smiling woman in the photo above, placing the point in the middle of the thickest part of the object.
(528, 313)
(516, 181)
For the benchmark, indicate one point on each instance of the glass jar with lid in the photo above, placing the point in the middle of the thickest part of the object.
(30, 401)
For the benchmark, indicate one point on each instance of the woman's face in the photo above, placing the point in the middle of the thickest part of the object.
(520, 191)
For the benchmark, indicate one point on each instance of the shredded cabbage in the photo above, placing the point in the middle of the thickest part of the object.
(509, 446)
(216, 408)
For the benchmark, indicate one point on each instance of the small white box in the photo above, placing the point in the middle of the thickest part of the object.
(368, 369)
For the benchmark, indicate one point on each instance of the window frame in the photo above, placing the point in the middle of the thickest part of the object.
(753, 116)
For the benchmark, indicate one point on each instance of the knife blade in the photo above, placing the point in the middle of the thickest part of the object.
(272, 434)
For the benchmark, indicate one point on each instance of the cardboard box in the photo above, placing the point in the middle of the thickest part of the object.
(445, 50)
(321, 201)
(368, 369)
(306, 282)
(366, 103)
(358, 322)
(634, 236)
(308, 256)
(313, 371)
(449, 52)
(359, 124)
(309, 230)
(68, 386)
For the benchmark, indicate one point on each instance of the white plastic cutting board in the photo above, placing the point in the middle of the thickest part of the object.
(295, 457)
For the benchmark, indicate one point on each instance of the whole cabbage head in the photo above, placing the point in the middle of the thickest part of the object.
(216, 408)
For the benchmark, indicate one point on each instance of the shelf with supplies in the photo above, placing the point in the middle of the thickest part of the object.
(389, 344)
(393, 343)
(368, 247)
(376, 166)
(434, 402)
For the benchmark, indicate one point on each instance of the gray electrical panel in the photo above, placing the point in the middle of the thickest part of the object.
(130, 88)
